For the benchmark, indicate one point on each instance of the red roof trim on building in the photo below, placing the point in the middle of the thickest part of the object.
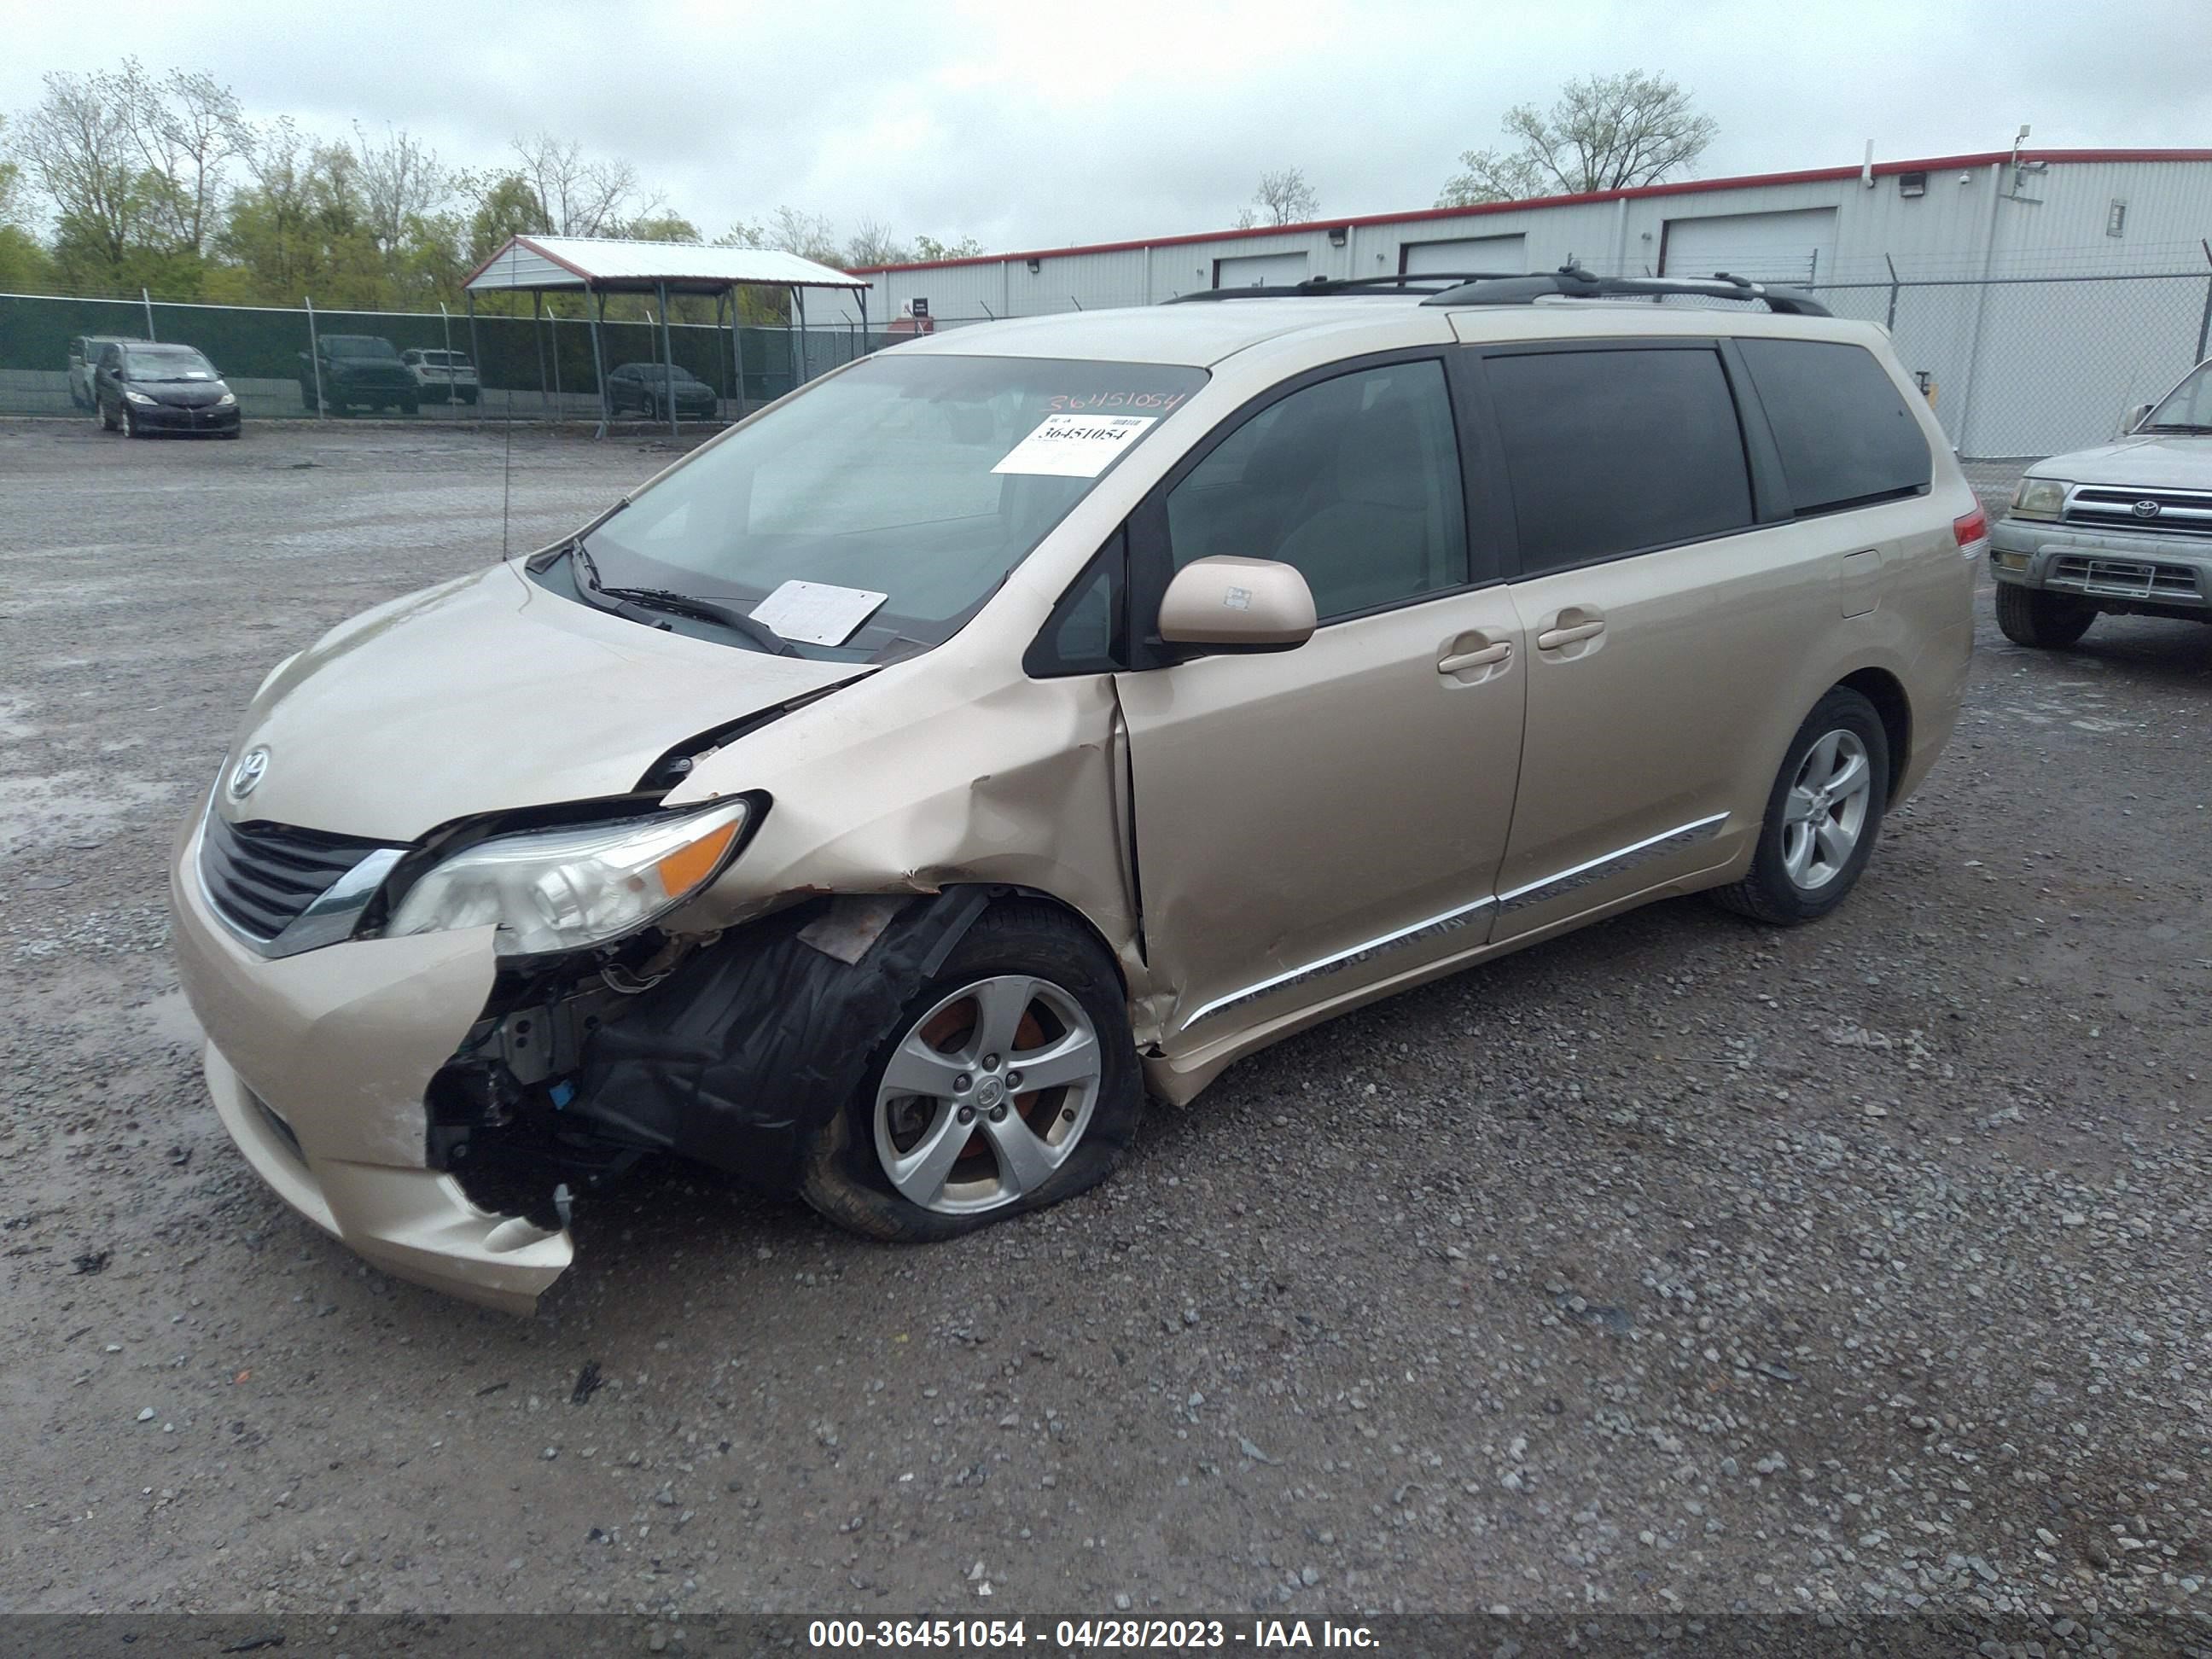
(1678, 187)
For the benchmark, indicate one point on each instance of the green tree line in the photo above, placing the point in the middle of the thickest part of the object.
(128, 178)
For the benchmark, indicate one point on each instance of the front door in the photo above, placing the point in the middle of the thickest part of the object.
(1329, 817)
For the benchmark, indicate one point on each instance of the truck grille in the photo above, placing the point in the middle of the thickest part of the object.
(2126, 578)
(2178, 512)
(262, 875)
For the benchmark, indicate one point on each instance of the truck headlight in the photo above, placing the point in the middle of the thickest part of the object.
(560, 890)
(2038, 498)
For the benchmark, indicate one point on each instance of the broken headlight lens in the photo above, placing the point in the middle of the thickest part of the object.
(560, 890)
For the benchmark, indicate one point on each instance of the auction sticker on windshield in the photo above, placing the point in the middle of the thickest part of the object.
(817, 613)
(1075, 445)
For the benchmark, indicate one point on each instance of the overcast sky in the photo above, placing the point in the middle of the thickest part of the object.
(1037, 125)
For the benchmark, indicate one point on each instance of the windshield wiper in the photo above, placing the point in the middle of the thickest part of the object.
(686, 605)
(2173, 426)
(669, 603)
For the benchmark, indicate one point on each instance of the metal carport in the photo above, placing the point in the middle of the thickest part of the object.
(600, 266)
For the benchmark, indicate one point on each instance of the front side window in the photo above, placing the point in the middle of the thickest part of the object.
(1354, 480)
(923, 479)
(1845, 435)
(1617, 452)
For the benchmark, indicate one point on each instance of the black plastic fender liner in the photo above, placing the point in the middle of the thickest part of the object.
(741, 1054)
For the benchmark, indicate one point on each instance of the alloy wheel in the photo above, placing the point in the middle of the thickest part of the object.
(987, 1094)
(1825, 812)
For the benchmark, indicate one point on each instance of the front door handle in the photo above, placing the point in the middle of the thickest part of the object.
(1482, 659)
(1552, 638)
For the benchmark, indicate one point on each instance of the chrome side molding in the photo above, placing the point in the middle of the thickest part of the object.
(1612, 864)
(1535, 892)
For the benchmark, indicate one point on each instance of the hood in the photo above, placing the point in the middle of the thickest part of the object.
(183, 394)
(485, 694)
(2171, 460)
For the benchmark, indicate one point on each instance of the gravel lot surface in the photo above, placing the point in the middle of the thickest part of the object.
(1683, 1264)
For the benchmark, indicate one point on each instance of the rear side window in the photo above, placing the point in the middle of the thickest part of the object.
(1843, 429)
(1617, 452)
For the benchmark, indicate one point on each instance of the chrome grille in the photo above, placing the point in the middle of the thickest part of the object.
(2126, 578)
(2113, 506)
(263, 877)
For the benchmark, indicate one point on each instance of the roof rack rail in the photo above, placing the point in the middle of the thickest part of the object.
(1411, 282)
(1576, 284)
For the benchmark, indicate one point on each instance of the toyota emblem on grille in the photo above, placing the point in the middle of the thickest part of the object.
(247, 773)
(2146, 509)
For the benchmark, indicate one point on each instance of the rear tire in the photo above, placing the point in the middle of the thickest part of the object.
(409, 405)
(2029, 616)
(1823, 816)
(1074, 993)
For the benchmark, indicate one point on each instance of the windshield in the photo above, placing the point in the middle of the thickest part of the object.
(908, 487)
(2188, 407)
(358, 345)
(169, 363)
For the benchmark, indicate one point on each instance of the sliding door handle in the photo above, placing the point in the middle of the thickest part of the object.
(1551, 638)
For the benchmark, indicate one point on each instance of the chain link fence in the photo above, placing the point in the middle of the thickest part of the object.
(2014, 366)
(529, 368)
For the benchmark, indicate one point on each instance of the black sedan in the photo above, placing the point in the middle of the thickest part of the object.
(141, 388)
(651, 387)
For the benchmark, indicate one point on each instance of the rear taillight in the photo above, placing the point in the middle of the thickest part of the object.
(1972, 529)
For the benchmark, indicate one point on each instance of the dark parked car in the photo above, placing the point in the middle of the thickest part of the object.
(359, 369)
(138, 388)
(650, 386)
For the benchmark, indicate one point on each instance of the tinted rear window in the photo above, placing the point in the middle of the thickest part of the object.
(1613, 451)
(1843, 428)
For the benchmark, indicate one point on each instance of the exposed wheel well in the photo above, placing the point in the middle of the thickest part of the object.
(1882, 688)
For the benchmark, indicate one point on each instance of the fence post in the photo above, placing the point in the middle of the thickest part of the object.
(315, 357)
(453, 395)
(1892, 323)
(147, 300)
(2204, 322)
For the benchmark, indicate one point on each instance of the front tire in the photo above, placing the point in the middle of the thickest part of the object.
(130, 427)
(2029, 616)
(1822, 816)
(1010, 1083)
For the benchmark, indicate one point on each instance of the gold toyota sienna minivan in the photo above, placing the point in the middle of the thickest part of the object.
(882, 799)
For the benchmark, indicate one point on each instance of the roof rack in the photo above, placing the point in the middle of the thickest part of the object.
(1576, 284)
(1413, 281)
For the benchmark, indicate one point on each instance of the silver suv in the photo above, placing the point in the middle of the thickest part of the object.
(2124, 529)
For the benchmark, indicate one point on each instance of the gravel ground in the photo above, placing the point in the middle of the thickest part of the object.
(1678, 1264)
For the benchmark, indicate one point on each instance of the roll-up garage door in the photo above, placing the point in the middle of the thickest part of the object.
(1796, 246)
(1260, 271)
(1502, 253)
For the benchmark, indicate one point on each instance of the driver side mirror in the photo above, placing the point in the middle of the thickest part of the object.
(1237, 604)
(2134, 418)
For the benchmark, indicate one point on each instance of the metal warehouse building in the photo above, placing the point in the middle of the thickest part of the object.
(2038, 293)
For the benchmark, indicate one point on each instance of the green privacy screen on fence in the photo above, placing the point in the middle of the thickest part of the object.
(533, 367)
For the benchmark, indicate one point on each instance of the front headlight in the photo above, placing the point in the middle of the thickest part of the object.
(2038, 498)
(560, 890)
(137, 396)
(227, 397)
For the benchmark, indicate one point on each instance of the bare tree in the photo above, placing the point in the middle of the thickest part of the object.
(76, 148)
(872, 244)
(402, 182)
(581, 196)
(184, 125)
(1606, 132)
(1283, 198)
(794, 230)
(928, 247)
